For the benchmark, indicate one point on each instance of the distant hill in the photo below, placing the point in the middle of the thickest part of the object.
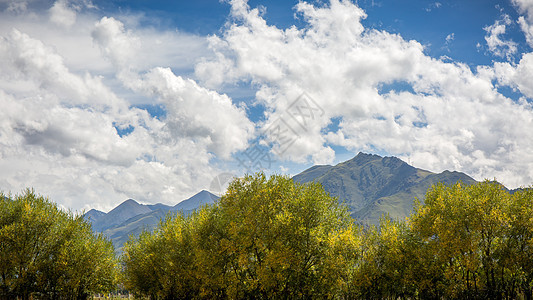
(133, 227)
(127, 209)
(371, 185)
(131, 217)
(93, 215)
(203, 197)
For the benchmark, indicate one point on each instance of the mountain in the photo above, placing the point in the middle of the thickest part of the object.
(130, 218)
(196, 201)
(160, 206)
(371, 185)
(127, 209)
(133, 227)
(93, 215)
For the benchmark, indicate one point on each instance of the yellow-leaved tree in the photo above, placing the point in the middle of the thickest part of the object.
(265, 238)
(46, 252)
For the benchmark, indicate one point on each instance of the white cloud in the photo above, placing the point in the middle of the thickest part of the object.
(64, 89)
(435, 5)
(117, 44)
(61, 14)
(453, 118)
(525, 7)
(192, 111)
(450, 37)
(17, 6)
(60, 108)
(498, 46)
(518, 76)
(526, 22)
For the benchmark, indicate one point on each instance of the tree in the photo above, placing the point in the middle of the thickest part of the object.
(282, 238)
(465, 227)
(48, 253)
(265, 238)
(159, 264)
(518, 253)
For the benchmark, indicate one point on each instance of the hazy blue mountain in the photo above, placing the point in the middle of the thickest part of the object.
(160, 206)
(203, 197)
(133, 227)
(130, 217)
(93, 215)
(127, 209)
(371, 185)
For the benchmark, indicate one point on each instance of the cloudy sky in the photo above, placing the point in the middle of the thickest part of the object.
(101, 101)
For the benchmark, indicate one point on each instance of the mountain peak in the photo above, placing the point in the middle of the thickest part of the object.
(363, 158)
(95, 211)
(130, 202)
(93, 215)
(119, 214)
(199, 199)
(367, 156)
(372, 185)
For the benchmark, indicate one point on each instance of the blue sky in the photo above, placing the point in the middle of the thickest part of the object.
(425, 21)
(108, 100)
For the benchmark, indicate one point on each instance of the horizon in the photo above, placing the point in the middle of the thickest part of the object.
(332, 165)
(154, 101)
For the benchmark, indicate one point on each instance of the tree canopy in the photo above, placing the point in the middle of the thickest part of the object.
(48, 253)
(265, 238)
(274, 238)
(270, 237)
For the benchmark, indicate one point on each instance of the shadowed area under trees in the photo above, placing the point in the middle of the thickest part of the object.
(47, 253)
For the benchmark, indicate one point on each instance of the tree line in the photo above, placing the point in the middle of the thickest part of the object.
(272, 238)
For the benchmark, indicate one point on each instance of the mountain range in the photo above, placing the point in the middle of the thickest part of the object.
(370, 185)
(130, 218)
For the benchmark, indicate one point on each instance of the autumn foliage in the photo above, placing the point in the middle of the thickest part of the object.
(265, 238)
(272, 238)
(48, 253)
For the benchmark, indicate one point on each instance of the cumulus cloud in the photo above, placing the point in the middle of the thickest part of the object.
(498, 46)
(120, 46)
(526, 20)
(519, 77)
(192, 111)
(61, 114)
(68, 98)
(60, 137)
(452, 117)
(61, 14)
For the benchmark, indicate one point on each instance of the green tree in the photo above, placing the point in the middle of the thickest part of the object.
(159, 264)
(281, 238)
(465, 227)
(518, 254)
(265, 238)
(48, 253)
(390, 263)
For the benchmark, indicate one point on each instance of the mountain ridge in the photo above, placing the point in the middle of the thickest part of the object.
(130, 218)
(372, 186)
